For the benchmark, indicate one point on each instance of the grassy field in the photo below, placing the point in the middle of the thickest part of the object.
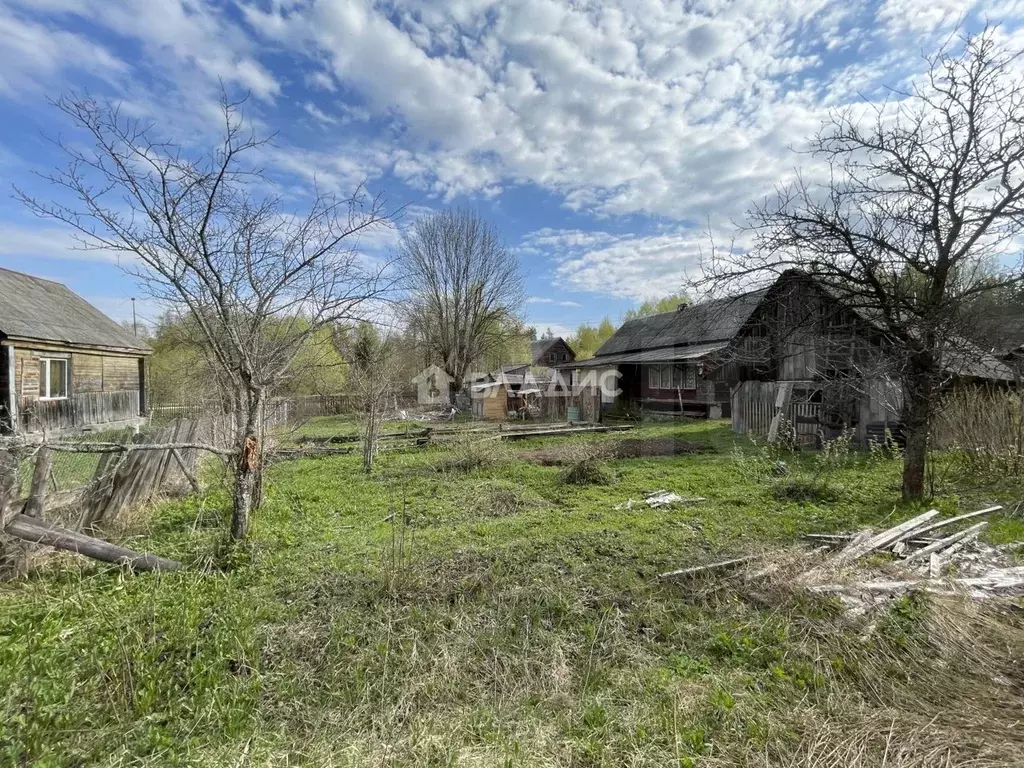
(465, 606)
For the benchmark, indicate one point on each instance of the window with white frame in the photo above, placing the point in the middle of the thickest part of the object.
(672, 377)
(53, 378)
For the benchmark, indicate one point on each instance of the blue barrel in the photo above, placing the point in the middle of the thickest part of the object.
(572, 413)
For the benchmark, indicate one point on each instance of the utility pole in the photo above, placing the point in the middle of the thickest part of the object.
(135, 323)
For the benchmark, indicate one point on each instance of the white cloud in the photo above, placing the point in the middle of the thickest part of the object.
(555, 302)
(32, 52)
(624, 266)
(43, 241)
(558, 329)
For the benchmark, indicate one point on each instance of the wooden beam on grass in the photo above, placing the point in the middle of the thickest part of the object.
(38, 532)
(710, 567)
(887, 538)
(960, 537)
(959, 518)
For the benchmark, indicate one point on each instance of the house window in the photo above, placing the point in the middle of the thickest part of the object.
(689, 377)
(654, 376)
(53, 378)
(672, 377)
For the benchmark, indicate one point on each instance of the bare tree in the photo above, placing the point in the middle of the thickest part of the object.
(372, 376)
(201, 233)
(464, 289)
(925, 191)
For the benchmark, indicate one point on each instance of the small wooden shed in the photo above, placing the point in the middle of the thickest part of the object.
(490, 401)
(64, 365)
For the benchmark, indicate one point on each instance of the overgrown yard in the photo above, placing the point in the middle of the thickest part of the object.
(468, 606)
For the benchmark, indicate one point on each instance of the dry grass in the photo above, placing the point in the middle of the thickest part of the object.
(583, 463)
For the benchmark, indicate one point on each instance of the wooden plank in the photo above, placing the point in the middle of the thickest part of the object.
(185, 471)
(521, 435)
(887, 538)
(782, 396)
(697, 569)
(948, 542)
(38, 532)
(957, 519)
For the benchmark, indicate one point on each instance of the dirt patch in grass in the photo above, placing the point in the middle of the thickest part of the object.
(630, 448)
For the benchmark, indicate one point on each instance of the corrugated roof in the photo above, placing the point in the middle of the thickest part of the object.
(709, 321)
(34, 308)
(663, 355)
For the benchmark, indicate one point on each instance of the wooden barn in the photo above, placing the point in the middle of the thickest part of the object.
(789, 355)
(512, 392)
(806, 361)
(64, 365)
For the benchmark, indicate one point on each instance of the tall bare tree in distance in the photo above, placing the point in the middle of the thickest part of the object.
(199, 230)
(926, 193)
(465, 289)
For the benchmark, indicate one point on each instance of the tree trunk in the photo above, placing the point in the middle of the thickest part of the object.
(247, 466)
(918, 409)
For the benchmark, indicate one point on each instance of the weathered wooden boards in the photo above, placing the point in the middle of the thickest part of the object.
(911, 529)
(522, 435)
(132, 477)
(104, 494)
(990, 580)
(891, 537)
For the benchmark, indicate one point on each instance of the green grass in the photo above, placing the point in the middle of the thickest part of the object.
(432, 615)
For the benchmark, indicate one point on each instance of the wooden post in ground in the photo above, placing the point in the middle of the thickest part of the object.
(40, 475)
(8, 494)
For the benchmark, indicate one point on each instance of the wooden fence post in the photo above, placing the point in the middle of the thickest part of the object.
(9, 556)
(40, 475)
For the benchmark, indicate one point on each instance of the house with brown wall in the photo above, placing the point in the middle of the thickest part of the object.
(64, 365)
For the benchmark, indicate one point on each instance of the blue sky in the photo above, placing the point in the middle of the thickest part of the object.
(604, 140)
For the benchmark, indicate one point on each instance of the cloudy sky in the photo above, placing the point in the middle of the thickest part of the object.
(604, 139)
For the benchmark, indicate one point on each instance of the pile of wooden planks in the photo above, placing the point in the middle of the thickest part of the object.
(922, 544)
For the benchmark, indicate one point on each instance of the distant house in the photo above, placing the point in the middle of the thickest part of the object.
(663, 361)
(791, 352)
(64, 365)
(548, 353)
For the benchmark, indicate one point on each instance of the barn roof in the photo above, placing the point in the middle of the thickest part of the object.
(44, 310)
(718, 320)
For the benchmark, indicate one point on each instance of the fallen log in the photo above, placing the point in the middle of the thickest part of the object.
(887, 538)
(38, 532)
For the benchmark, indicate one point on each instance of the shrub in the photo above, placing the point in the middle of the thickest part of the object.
(584, 464)
(983, 427)
(470, 454)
